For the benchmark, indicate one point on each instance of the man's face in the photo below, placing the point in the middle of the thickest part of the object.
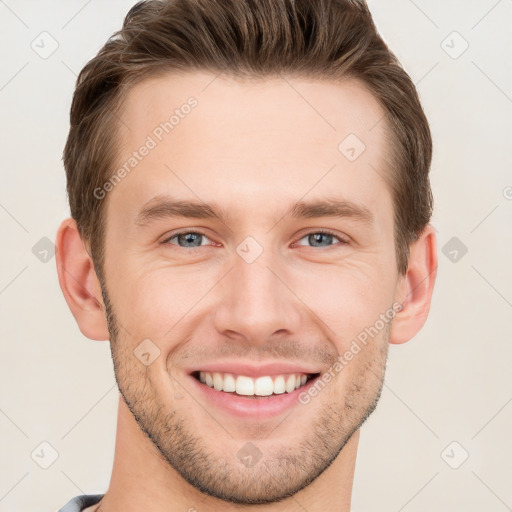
(257, 285)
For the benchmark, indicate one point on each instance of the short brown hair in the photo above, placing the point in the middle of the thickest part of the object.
(324, 39)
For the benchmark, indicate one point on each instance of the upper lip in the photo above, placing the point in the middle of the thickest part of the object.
(253, 370)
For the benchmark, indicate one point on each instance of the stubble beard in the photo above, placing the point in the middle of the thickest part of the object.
(281, 472)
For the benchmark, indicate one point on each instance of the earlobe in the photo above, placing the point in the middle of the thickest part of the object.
(416, 288)
(79, 283)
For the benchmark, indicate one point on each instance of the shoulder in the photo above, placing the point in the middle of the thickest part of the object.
(80, 503)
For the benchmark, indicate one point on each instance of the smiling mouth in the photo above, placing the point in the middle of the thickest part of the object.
(263, 387)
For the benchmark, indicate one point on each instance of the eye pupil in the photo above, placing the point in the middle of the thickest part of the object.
(317, 237)
(190, 238)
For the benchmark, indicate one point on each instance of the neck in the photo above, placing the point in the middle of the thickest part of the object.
(143, 480)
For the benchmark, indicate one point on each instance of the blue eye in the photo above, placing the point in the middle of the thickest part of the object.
(192, 239)
(316, 238)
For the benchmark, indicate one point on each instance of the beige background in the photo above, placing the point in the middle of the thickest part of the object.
(448, 392)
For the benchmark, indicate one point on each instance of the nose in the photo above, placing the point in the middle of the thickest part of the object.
(257, 301)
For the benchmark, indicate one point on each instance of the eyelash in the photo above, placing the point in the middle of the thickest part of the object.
(320, 232)
(342, 241)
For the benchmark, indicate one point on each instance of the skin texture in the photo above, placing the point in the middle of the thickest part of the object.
(254, 148)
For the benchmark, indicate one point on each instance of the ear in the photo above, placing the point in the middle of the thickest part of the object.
(79, 283)
(415, 288)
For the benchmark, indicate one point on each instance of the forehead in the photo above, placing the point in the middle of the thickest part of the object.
(322, 110)
(250, 141)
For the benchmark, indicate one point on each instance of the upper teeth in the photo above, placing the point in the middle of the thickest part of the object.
(262, 386)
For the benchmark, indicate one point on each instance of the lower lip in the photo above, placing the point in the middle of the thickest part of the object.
(252, 408)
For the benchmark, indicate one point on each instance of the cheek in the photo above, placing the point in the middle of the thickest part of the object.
(362, 366)
(346, 299)
(347, 296)
(152, 302)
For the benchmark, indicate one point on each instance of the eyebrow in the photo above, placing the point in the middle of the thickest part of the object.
(331, 208)
(165, 207)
